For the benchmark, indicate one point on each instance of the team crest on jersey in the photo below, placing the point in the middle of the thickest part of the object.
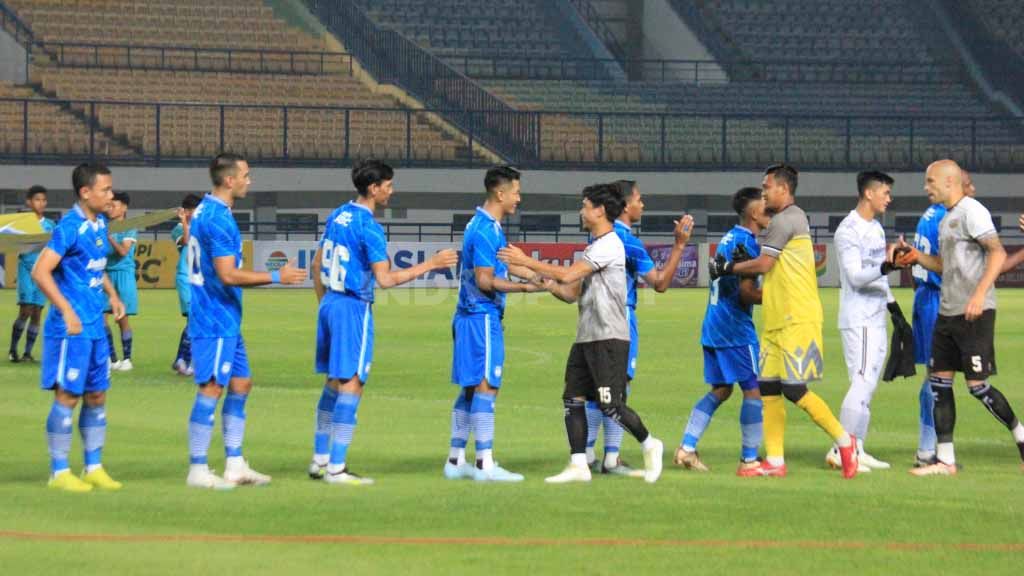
(804, 366)
(344, 219)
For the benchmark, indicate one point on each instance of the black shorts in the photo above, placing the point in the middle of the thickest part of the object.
(962, 346)
(598, 371)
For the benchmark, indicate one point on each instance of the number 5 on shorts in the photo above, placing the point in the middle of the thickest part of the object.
(605, 394)
(976, 363)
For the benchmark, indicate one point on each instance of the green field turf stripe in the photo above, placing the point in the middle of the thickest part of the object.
(512, 542)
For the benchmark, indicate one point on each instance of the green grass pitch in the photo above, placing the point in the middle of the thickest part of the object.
(413, 521)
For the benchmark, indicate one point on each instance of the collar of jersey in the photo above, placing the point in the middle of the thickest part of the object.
(486, 214)
(94, 224)
(621, 224)
(744, 228)
(213, 198)
(358, 205)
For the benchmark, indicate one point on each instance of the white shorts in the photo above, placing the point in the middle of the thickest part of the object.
(865, 349)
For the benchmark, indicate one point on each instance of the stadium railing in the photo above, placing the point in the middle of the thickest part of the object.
(323, 135)
(600, 27)
(15, 25)
(392, 58)
(188, 58)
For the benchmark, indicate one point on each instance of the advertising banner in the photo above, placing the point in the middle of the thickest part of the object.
(686, 273)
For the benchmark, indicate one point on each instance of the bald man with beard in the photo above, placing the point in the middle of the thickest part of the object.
(970, 259)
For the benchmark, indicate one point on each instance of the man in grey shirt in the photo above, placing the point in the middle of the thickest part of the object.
(970, 259)
(597, 363)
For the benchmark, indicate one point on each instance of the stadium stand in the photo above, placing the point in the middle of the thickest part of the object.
(254, 118)
(1004, 19)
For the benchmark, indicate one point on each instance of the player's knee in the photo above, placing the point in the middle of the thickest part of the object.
(794, 392)
(722, 392)
(240, 385)
(484, 387)
(95, 398)
(770, 387)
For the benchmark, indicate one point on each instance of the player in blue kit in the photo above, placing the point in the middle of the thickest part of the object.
(30, 300)
(477, 334)
(215, 325)
(180, 234)
(638, 265)
(730, 344)
(76, 364)
(351, 259)
(121, 271)
(927, 293)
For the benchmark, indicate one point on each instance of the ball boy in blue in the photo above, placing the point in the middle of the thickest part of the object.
(180, 235)
(477, 334)
(121, 271)
(351, 258)
(70, 272)
(927, 293)
(30, 299)
(638, 265)
(215, 325)
(730, 343)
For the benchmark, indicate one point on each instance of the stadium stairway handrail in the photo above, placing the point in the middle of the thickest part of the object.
(392, 58)
(11, 22)
(600, 27)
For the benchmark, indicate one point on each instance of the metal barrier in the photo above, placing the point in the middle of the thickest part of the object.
(36, 130)
(154, 57)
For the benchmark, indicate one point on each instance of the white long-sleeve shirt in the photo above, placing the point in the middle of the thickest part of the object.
(864, 291)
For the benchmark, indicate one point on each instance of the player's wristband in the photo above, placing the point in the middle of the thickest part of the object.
(886, 268)
(275, 277)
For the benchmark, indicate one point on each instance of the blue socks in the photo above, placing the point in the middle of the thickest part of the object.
(126, 344)
(324, 416)
(612, 436)
(92, 424)
(481, 422)
(343, 426)
(751, 425)
(110, 344)
(16, 332)
(30, 338)
(926, 443)
(233, 423)
(200, 428)
(460, 428)
(594, 419)
(700, 417)
(58, 436)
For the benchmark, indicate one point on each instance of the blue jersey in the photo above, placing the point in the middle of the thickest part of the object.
(176, 235)
(480, 244)
(728, 322)
(216, 310)
(126, 263)
(926, 240)
(638, 261)
(352, 242)
(82, 245)
(28, 259)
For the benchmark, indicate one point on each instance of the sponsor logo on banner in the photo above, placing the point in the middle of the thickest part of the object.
(820, 259)
(156, 263)
(686, 273)
(552, 253)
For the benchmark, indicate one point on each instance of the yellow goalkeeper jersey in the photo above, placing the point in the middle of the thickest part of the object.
(790, 288)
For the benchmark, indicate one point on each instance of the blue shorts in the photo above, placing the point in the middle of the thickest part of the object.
(127, 291)
(727, 366)
(479, 342)
(28, 292)
(76, 365)
(184, 289)
(926, 312)
(219, 359)
(344, 337)
(634, 342)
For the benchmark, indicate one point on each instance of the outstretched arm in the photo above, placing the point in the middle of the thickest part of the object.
(388, 278)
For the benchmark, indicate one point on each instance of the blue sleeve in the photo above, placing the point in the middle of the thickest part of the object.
(753, 248)
(133, 234)
(637, 252)
(63, 239)
(220, 240)
(48, 225)
(375, 243)
(484, 250)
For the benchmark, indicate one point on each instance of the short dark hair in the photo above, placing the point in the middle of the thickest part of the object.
(84, 175)
(223, 165)
(369, 172)
(607, 195)
(191, 201)
(785, 173)
(37, 189)
(625, 187)
(123, 198)
(498, 176)
(743, 197)
(871, 178)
